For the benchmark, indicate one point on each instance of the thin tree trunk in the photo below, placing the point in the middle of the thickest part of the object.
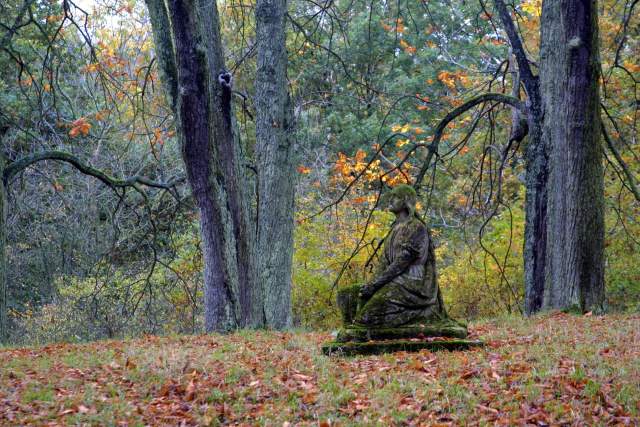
(537, 166)
(535, 230)
(571, 132)
(3, 263)
(275, 160)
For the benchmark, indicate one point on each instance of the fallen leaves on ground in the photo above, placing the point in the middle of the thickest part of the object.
(556, 369)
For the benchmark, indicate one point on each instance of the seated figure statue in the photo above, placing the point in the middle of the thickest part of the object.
(403, 300)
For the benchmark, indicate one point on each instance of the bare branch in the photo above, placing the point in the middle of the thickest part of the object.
(15, 167)
(433, 147)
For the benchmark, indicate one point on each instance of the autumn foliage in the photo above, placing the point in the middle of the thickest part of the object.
(552, 370)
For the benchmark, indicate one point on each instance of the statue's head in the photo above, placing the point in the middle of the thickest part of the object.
(401, 197)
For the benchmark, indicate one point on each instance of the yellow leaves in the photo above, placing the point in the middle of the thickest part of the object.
(400, 128)
(450, 79)
(54, 19)
(402, 142)
(532, 7)
(80, 127)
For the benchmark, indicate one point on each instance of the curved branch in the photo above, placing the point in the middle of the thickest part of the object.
(15, 167)
(433, 147)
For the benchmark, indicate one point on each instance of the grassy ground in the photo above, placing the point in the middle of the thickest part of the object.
(556, 369)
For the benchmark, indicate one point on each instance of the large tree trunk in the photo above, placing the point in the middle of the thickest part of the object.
(247, 262)
(571, 132)
(212, 156)
(3, 262)
(274, 152)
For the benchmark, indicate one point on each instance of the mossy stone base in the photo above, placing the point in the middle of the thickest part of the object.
(381, 347)
(446, 328)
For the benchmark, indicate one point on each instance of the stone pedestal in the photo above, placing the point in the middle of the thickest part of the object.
(352, 339)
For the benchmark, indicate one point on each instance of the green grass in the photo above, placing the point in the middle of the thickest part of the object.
(554, 369)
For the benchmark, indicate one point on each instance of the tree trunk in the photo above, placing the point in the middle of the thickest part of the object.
(571, 133)
(535, 231)
(275, 160)
(537, 167)
(3, 263)
(213, 160)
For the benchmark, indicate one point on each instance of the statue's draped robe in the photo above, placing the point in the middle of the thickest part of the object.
(407, 290)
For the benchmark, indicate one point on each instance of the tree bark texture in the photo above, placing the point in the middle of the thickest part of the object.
(571, 134)
(212, 156)
(3, 264)
(535, 230)
(275, 160)
(537, 173)
(247, 255)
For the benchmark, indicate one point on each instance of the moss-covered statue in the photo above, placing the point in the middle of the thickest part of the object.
(403, 300)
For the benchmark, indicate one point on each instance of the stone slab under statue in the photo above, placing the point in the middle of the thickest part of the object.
(402, 307)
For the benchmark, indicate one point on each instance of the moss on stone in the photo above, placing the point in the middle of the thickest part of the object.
(444, 328)
(381, 347)
(348, 300)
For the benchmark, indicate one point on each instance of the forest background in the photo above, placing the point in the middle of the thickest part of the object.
(86, 262)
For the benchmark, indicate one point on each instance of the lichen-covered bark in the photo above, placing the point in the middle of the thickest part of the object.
(537, 165)
(3, 265)
(164, 49)
(275, 162)
(211, 152)
(571, 131)
(535, 231)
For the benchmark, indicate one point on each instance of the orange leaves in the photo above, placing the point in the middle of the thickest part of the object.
(303, 170)
(398, 27)
(91, 68)
(631, 66)
(450, 79)
(101, 115)
(550, 370)
(411, 50)
(447, 78)
(80, 127)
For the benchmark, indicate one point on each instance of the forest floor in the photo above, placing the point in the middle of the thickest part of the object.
(548, 370)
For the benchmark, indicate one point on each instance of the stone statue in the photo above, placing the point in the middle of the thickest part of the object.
(403, 300)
